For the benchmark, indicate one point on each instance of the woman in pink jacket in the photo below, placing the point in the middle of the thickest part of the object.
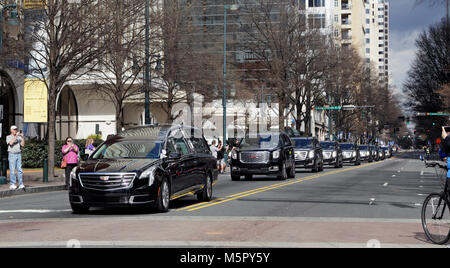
(70, 157)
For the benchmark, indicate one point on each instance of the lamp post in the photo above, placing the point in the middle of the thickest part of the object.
(147, 75)
(225, 101)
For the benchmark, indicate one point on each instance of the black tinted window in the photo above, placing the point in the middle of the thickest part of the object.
(200, 146)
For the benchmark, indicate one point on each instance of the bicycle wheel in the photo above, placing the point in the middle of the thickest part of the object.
(436, 219)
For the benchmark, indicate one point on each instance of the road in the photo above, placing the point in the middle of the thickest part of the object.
(373, 204)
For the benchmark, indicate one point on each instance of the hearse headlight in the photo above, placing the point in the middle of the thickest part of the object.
(312, 154)
(150, 174)
(276, 154)
(334, 154)
(73, 175)
(354, 154)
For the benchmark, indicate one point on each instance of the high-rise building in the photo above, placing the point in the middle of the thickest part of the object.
(377, 37)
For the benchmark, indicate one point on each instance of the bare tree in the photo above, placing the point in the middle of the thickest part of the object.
(64, 43)
(288, 57)
(118, 74)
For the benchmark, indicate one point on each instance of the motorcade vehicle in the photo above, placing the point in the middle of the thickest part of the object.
(146, 166)
(367, 153)
(308, 154)
(263, 154)
(351, 153)
(332, 154)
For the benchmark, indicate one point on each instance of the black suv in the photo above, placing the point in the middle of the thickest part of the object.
(332, 154)
(376, 152)
(387, 151)
(308, 154)
(146, 166)
(263, 154)
(351, 153)
(366, 153)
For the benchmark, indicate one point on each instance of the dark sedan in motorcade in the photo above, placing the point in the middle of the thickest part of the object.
(366, 153)
(332, 154)
(146, 166)
(263, 154)
(351, 153)
(308, 154)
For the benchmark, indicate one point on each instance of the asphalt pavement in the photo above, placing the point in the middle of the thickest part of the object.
(377, 204)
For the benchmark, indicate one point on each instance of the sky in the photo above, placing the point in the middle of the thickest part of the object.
(408, 20)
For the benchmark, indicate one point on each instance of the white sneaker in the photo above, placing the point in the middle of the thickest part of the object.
(13, 187)
(21, 187)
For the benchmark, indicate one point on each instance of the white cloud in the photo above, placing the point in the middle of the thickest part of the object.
(402, 53)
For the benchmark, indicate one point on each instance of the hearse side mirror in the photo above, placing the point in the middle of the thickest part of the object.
(163, 154)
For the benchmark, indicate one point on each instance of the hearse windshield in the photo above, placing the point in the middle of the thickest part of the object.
(129, 149)
(364, 148)
(261, 142)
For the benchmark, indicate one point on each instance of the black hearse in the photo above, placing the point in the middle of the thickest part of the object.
(146, 166)
(263, 154)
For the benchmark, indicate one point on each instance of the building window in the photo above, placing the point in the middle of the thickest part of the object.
(316, 3)
(317, 21)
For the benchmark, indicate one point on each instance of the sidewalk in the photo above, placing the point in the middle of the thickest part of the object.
(33, 180)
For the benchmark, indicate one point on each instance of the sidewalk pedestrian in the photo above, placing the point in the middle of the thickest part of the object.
(89, 149)
(214, 149)
(15, 142)
(70, 157)
(221, 158)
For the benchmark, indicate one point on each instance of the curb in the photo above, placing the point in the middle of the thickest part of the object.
(32, 190)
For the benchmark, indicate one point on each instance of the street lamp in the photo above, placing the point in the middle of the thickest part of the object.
(225, 8)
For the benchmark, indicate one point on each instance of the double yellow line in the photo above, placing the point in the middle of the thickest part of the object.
(267, 188)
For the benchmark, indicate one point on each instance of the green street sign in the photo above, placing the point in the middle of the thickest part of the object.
(328, 108)
(438, 114)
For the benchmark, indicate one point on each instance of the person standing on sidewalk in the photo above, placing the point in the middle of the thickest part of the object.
(70, 157)
(15, 142)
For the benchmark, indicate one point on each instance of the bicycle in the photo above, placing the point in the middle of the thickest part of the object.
(436, 211)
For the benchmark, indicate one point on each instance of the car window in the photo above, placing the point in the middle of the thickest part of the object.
(200, 145)
(176, 143)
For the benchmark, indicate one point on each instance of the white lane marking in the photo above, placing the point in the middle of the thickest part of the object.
(386, 184)
(36, 211)
(393, 176)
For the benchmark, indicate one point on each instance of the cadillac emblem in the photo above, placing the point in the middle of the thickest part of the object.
(104, 178)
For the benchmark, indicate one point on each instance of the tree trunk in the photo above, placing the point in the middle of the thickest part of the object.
(281, 106)
(119, 118)
(51, 128)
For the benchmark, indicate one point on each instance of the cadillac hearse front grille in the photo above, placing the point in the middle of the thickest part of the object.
(106, 182)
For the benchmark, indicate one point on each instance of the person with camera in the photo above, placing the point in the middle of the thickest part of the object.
(15, 143)
(70, 158)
